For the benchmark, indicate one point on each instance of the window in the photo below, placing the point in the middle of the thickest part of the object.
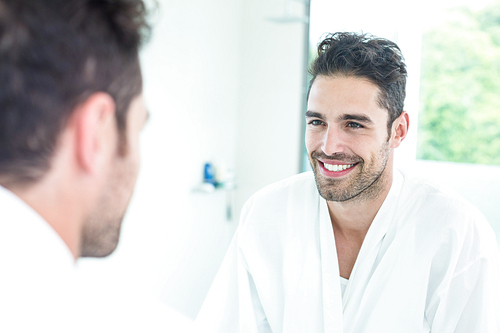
(459, 115)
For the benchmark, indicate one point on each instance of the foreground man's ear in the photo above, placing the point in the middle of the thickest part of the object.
(95, 131)
(399, 129)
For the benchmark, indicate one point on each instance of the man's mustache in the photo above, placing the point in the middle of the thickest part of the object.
(343, 157)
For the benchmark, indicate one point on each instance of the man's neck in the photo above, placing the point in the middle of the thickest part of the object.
(351, 219)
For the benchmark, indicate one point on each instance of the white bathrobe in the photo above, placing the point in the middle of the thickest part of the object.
(429, 263)
(41, 290)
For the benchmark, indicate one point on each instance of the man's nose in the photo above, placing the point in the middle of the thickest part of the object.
(334, 141)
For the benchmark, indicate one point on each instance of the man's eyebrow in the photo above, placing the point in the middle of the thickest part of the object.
(357, 117)
(312, 114)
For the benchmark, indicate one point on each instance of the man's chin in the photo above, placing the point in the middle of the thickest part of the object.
(99, 252)
(334, 189)
(101, 243)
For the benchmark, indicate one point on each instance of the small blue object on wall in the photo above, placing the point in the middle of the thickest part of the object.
(209, 174)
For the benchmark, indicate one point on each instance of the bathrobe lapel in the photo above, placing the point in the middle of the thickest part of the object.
(342, 314)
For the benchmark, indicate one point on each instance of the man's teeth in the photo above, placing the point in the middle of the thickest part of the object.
(337, 167)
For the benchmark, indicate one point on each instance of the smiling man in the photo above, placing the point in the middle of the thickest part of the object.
(355, 246)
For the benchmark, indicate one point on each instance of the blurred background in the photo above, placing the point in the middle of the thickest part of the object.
(225, 83)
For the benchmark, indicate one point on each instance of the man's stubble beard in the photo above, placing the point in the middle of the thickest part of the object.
(365, 185)
(101, 230)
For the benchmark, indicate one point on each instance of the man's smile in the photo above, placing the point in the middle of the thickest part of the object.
(337, 167)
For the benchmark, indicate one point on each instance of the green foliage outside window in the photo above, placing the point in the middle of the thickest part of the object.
(460, 88)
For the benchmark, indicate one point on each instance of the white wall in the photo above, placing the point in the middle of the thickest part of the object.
(222, 84)
(270, 107)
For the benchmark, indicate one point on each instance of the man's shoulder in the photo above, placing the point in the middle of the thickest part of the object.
(284, 197)
(300, 188)
(440, 207)
(296, 183)
(430, 194)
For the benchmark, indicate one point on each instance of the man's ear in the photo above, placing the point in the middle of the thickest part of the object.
(95, 130)
(399, 129)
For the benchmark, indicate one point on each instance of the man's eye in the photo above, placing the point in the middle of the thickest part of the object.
(315, 122)
(354, 125)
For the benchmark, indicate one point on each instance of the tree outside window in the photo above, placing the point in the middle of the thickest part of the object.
(459, 117)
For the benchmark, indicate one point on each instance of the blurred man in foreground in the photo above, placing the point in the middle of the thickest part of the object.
(71, 111)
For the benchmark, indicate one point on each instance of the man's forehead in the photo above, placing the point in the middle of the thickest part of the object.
(345, 97)
(343, 83)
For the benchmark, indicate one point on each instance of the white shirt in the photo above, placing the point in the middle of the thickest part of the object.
(343, 286)
(429, 263)
(37, 271)
(41, 291)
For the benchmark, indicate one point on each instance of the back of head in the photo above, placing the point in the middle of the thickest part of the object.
(360, 55)
(53, 55)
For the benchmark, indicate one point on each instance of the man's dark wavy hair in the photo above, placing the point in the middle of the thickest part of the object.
(53, 55)
(361, 55)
